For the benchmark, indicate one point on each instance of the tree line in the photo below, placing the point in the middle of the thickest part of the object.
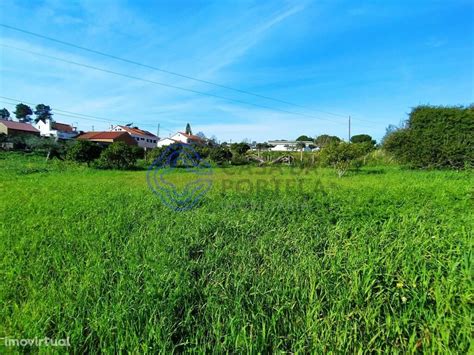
(432, 137)
(23, 113)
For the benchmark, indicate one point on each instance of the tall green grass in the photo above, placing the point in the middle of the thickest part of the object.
(378, 261)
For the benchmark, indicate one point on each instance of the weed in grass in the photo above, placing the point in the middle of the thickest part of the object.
(369, 262)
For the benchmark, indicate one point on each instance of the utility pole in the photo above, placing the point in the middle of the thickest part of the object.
(158, 131)
(349, 129)
(92, 128)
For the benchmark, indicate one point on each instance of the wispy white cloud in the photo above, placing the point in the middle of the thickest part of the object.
(435, 42)
(245, 39)
(320, 55)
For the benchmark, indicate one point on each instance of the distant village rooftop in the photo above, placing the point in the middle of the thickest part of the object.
(135, 131)
(108, 137)
(19, 126)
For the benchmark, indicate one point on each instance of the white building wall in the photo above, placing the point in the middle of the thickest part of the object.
(165, 142)
(180, 137)
(148, 142)
(280, 148)
(46, 131)
(288, 146)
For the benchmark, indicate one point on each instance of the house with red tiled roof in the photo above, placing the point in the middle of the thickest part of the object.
(183, 138)
(50, 128)
(144, 139)
(105, 138)
(17, 128)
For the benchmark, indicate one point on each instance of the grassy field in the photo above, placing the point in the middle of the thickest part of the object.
(380, 260)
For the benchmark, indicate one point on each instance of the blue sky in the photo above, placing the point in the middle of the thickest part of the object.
(372, 60)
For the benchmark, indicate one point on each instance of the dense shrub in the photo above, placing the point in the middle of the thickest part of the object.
(43, 146)
(435, 137)
(83, 152)
(177, 155)
(239, 148)
(363, 138)
(220, 155)
(204, 151)
(325, 140)
(138, 152)
(118, 155)
(20, 142)
(239, 160)
(343, 156)
(153, 154)
(48, 147)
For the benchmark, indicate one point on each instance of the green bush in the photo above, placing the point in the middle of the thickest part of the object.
(324, 140)
(239, 160)
(435, 137)
(139, 152)
(83, 152)
(118, 155)
(21, 142)
(203, 151)
(220, 155)
(363, 138)
(239, 148)
(177, 155)
(154, 154)
(343, 156)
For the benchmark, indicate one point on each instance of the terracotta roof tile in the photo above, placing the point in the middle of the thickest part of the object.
(192, 136)
(101, 135)
(137, 131)
(19, 126)
(63, 127)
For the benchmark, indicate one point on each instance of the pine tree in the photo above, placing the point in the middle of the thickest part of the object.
(43, 113)
(23, 112)
(4, 114)
(188, 129)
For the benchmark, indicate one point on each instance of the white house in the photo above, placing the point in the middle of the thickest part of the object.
(164, 142)
(181, 137)
(289, 146)
(49, 128)
(144, 139)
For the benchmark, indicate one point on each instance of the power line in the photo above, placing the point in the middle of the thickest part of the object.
(78, 115)
(158, 83)
(166, 85)
(129, 61)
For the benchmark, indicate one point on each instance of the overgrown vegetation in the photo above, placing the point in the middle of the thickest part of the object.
(342, 156)
(435, 137)
(376, 262)
(84, 152)
(117, 155)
